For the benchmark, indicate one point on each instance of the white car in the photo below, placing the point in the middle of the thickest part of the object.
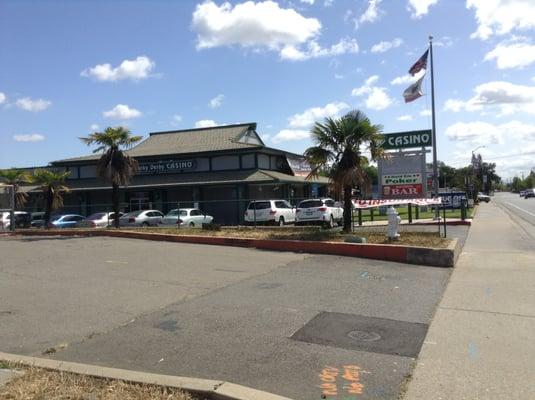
(483, 197)
(99, 220)
(323, 211)
(141, 218)
(186, 217)
(22, 220)
(278, 212)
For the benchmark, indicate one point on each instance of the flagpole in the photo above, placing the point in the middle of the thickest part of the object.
(434, 130)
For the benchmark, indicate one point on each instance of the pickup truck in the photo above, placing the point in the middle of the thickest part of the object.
(323, 211)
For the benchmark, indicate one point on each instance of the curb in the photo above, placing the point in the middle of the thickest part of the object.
(388, 252)
(210, 389)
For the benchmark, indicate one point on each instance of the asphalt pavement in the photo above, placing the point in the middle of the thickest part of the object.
(297, 325)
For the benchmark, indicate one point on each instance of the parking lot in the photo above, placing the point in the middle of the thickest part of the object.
(292, 324)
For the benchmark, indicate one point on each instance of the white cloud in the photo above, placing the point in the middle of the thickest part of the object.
(217, 101)
(407, 79)
(372, 13)
(499, 17)
(406, 117)
(515, 55)
(205, 123)
(311, 2)
(177, 118)
(507, 97)
(290, 134)
(311, 115)
(382, 47)
(28, 104)
(94, 128)
(419, 8)
(328, 3)
(34, 137)
(314, 50)
(255, 25)
(2, 97)
(137, 69)
(425, 113)
(122, 111)
(378, 98)
(477, 132)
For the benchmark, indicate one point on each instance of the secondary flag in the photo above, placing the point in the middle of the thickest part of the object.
(414, 91)
(420, 64)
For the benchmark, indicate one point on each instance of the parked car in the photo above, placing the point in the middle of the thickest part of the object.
(65, 221)
(522, 193)
(190, 217)
(141, 218)
(529, 193)
(483, 197)
(37, 219)
(319, 211)
(269, 212)
(22, 220)
(99, 220)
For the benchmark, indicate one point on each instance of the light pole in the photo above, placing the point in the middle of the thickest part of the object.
(474, 196)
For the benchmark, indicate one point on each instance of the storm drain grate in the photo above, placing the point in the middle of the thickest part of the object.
(357, 332)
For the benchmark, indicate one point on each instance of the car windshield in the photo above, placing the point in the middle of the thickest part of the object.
(174, 213)
(133, 214)
(310, 203)
(96, 216)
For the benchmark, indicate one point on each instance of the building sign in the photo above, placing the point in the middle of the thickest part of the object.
(165, 167)
(403, 140)
(401, 176)
(454, 199)
(299, 166)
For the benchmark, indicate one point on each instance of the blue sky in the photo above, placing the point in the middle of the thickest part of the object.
(70, 67)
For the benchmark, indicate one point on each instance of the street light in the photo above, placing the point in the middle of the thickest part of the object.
(474, 197)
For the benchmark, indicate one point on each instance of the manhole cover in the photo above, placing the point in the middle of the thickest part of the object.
(358, 332)
(364, 336)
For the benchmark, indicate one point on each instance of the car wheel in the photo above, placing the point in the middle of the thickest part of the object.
(330, 224)
(145, 224)
(192, 224)
(281, 221)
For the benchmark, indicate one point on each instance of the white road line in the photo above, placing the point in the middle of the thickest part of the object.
(521, 209)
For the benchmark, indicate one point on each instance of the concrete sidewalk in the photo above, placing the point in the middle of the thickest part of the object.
(481, 343)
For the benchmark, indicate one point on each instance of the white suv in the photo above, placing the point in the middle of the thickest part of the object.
(278, 212)
(319, 211)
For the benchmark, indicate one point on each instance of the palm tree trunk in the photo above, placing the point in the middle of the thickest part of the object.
(48, 207)
(115, 201)
(347, 209)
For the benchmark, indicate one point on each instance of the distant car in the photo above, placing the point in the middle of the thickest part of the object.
(322, 211)
(65, 221)
(37, 219)
(99, 220)
(141, 218)
(522, 193)
(529, 193)
(278, 212)
(186, 217)
(483, 197)
(22, 220)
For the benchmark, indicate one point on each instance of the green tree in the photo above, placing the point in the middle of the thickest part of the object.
(115, 165)
(52, 184)
(16, 178)
(339, 143)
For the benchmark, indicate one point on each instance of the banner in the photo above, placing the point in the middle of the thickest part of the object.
(299, 166)
(396, 202)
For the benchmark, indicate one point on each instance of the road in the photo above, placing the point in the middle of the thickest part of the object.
(521, 210)
(292, 324)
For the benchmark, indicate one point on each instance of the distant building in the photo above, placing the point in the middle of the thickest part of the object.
(217, 169)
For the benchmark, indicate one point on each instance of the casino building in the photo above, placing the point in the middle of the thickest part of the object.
(217, 169)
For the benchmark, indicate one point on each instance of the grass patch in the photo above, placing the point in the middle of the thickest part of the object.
(424, 239)
(41, 384)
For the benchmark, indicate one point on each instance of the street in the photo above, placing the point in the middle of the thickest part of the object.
(519, 209)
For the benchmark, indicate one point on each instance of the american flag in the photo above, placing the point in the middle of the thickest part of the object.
(420, 64)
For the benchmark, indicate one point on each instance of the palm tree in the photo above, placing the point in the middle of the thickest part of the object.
(16, 177)
(115, 166)
(53, 186)
(339, 146)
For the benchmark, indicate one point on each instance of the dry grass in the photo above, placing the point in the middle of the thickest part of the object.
(42, 384)
(422, 239)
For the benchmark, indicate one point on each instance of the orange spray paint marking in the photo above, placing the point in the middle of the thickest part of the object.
(328, 376)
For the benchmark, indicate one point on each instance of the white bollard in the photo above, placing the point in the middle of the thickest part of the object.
(393, 222)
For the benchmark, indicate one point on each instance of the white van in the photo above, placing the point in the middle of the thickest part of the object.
(278, 212)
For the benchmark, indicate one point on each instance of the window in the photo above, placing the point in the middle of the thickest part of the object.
(195, 213)
(259, 205)
(329, 203)
(310, 204)
(282, 204)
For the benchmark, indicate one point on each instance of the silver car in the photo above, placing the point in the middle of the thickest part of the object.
(99, 220)
(141, 218)
(187, 217)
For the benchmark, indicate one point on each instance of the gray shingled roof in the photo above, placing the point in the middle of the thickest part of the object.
(187, 141)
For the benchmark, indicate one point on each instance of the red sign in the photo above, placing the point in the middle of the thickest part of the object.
(395, 202)
(398, 191)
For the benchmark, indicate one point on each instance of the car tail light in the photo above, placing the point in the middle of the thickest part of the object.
(93, 224)
(179, 222)
(272, 212)
(298, 210)
(322, 209)
(131, 220)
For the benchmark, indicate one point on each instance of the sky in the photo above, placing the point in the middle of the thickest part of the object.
(69, 68)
